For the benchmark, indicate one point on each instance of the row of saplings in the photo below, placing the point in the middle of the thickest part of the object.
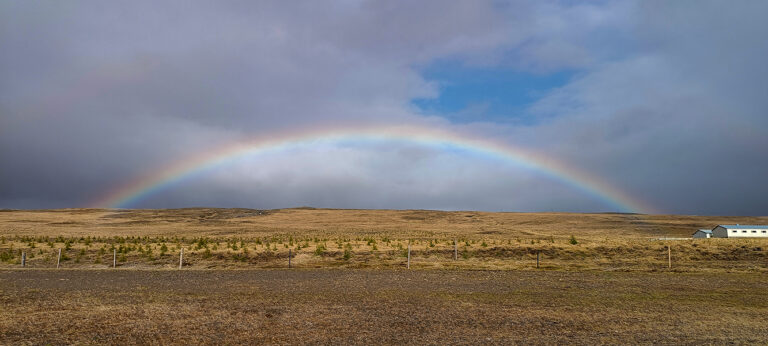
(156, 248)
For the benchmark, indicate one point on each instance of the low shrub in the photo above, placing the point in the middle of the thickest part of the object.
(320, 250)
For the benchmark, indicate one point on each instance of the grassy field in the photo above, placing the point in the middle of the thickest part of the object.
(602, 278)
(380, 306)
(310, 222)
(322, 238)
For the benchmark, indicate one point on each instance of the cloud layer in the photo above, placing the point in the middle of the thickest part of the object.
(668, 101)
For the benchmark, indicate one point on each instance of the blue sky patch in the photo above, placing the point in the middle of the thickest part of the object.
(469, 94)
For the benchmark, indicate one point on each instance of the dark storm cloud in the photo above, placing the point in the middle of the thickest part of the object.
(683, 118)
(668, 102)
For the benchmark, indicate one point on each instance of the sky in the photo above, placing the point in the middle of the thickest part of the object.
(663, 101)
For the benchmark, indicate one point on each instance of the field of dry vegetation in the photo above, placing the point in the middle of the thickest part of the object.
(424, 307)
(323, 238)
(602, 278)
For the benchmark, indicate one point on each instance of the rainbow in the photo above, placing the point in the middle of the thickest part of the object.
(132, 192)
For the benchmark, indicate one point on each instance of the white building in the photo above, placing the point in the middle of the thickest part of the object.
(740, 231)
(703, 233)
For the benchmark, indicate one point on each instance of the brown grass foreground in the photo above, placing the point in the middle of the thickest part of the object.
(380, 306)
(323, 238)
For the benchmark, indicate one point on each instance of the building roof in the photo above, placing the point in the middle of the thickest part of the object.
(705, 230)
(745, 226)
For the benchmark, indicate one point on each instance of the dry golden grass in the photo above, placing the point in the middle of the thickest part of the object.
(309, 222)
(613, 286)
(380, 307)
(321, 238)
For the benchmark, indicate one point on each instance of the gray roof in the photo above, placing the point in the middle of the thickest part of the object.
(745, 226)
(705, 230)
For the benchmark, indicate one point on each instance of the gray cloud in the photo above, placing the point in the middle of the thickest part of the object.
(668, 101)
(681, 119)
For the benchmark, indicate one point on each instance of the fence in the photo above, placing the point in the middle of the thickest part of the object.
(421, 253)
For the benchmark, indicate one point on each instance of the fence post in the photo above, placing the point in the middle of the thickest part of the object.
(537, 259)
(114, 258)
(455, 249)
(58, 259)
(289, 258)
(669, 255)
(23, 259)
(181, 257)
(408, 266)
